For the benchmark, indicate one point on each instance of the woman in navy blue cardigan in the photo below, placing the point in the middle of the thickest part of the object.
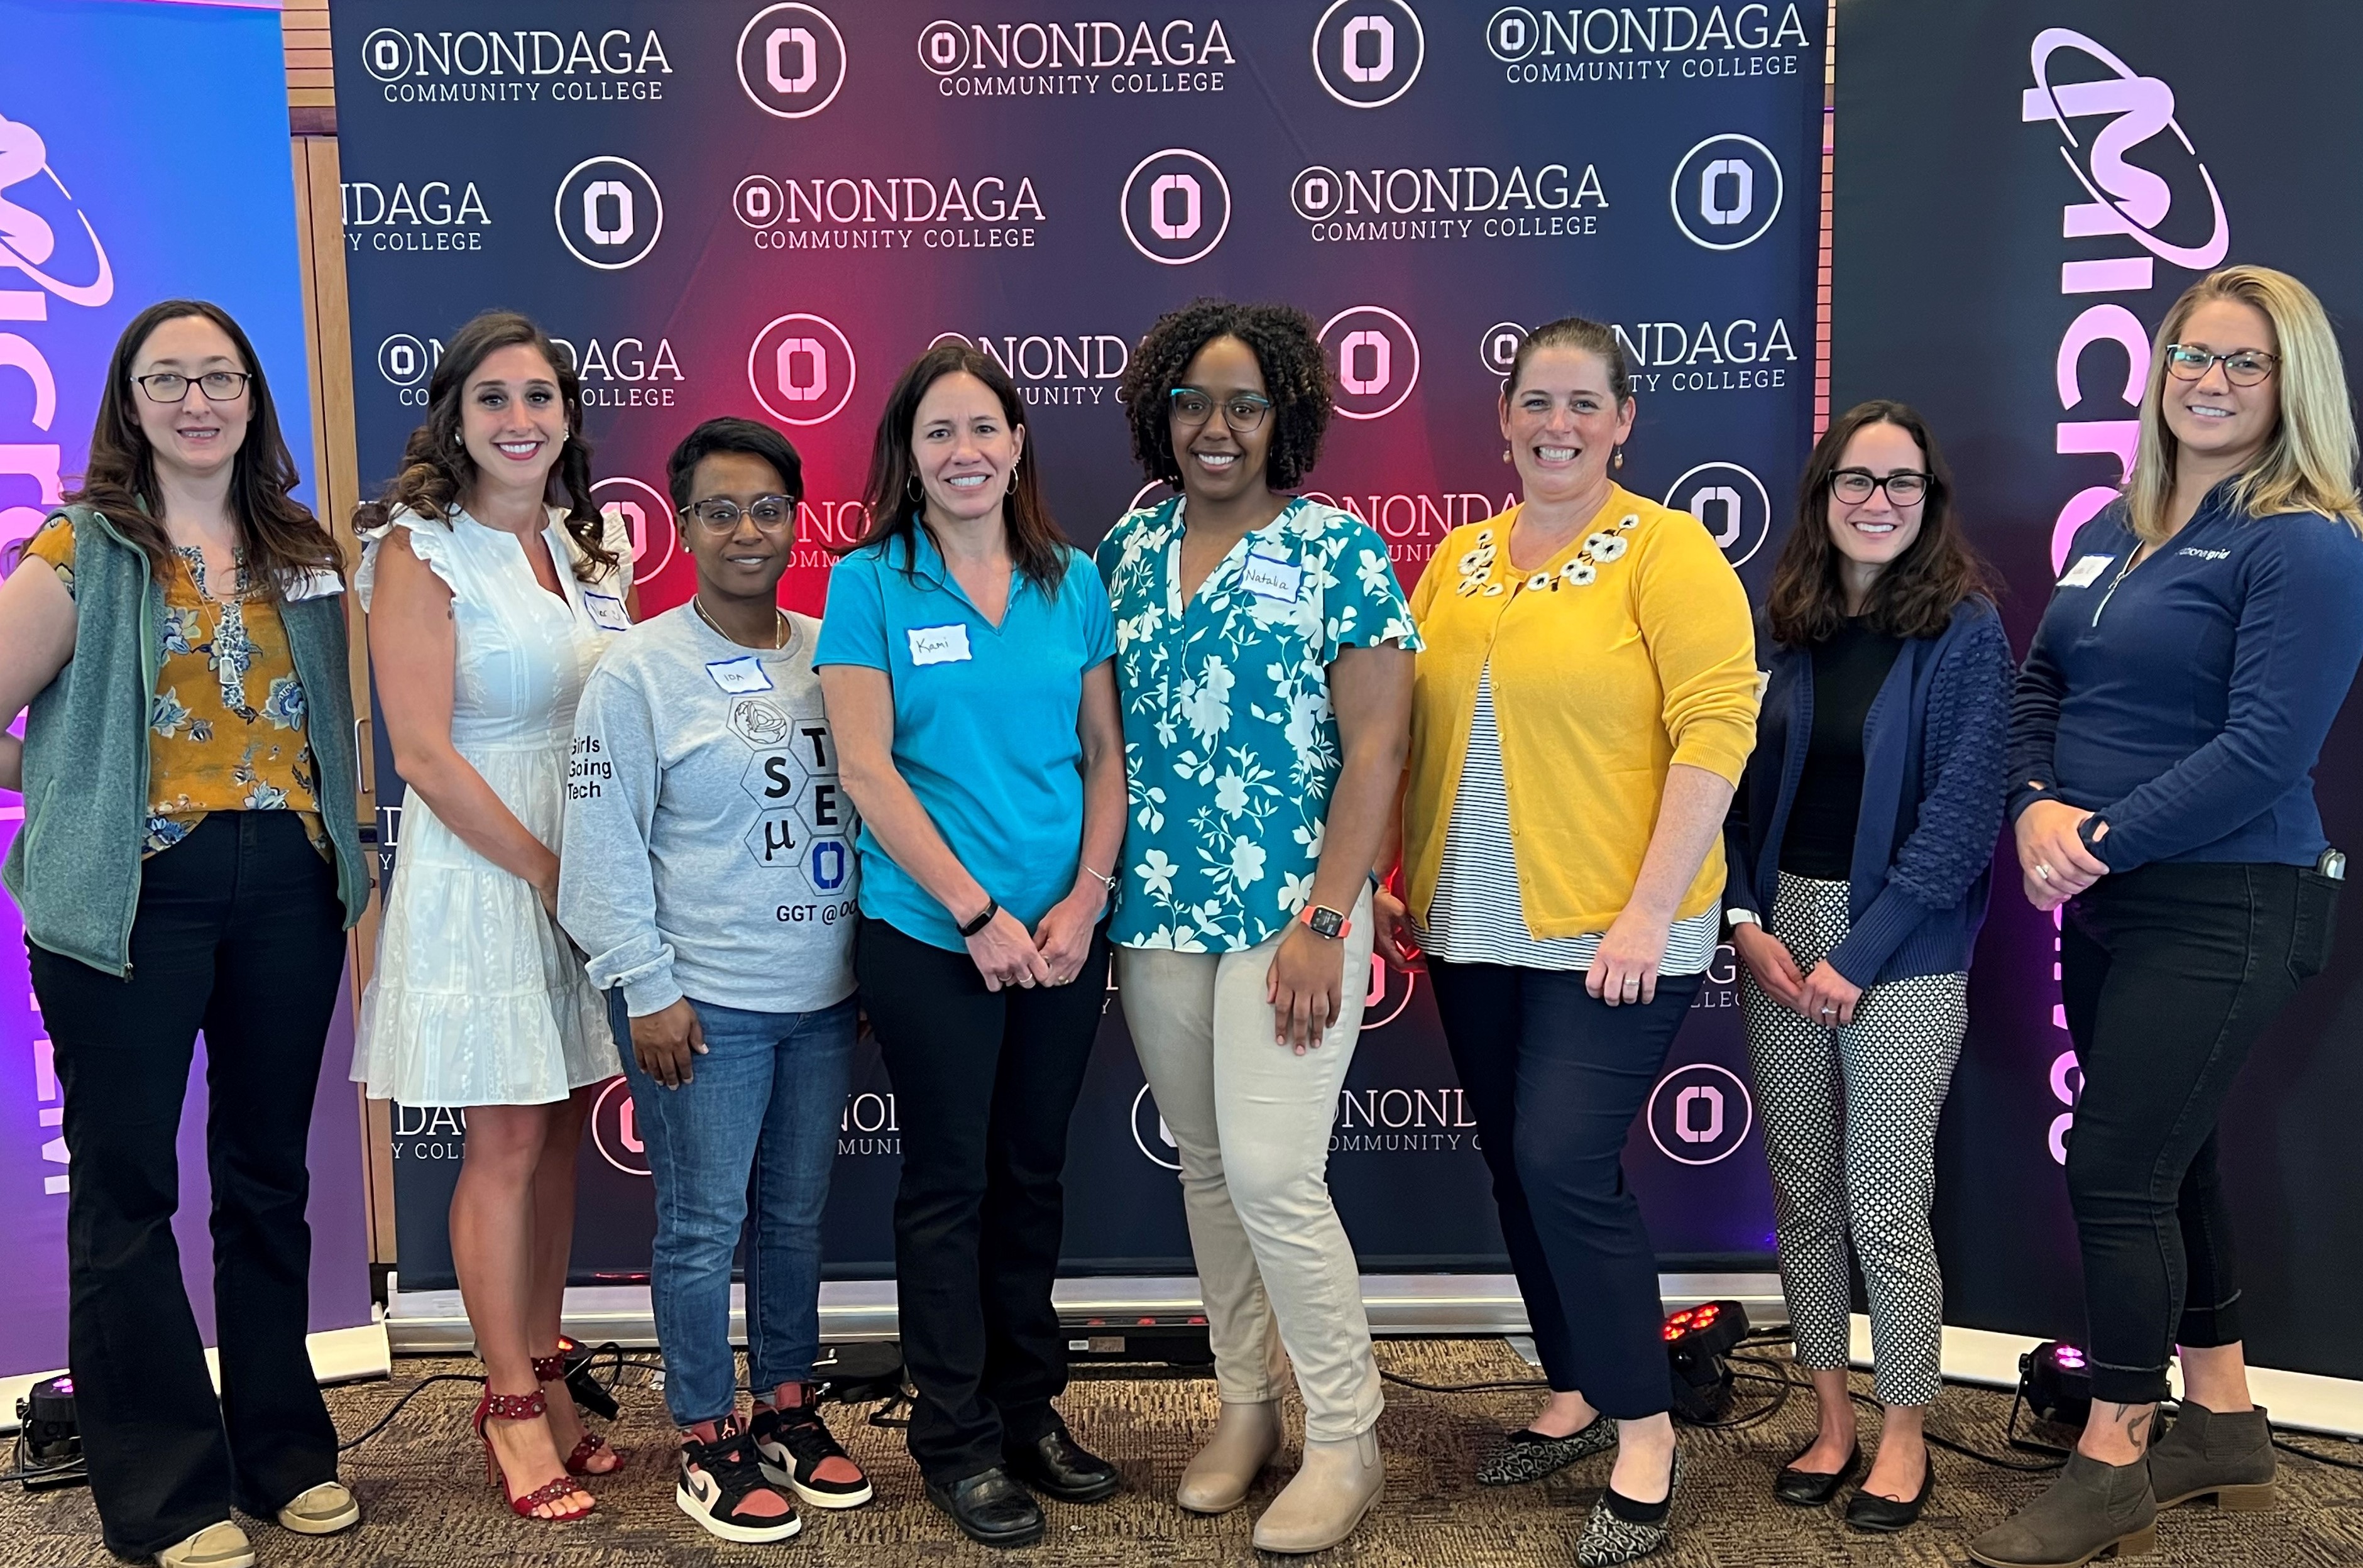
(1860, 844)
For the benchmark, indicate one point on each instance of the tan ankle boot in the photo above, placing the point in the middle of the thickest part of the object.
(1245, 1437)
(1333, 1490)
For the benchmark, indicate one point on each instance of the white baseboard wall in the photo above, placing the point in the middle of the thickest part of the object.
(338, 1355)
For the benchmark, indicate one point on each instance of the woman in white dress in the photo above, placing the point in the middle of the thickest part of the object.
(487, 607)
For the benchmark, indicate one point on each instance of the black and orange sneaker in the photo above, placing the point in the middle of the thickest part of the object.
(721, 1476)
(800, 1452)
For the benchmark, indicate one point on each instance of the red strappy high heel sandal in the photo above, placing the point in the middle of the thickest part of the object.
(552, 1369)
(523, 1407)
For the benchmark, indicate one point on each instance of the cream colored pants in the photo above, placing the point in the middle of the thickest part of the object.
(1251, 1119)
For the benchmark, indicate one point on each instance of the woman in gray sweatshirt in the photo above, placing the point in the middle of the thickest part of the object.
(708, 872)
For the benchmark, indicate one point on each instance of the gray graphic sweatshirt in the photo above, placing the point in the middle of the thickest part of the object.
(709, 847)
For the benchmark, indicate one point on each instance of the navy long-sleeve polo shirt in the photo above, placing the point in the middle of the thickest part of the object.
(2186, 699)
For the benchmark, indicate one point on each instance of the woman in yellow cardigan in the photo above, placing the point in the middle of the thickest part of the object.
(1582, 709)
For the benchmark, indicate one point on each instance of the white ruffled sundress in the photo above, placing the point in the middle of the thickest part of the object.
(478, 998)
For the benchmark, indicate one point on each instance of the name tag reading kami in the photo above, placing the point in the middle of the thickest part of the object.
(1271, 577)
(316, 583)
(606, 611)
(740, 676)
(939, 644)
(2086, 571)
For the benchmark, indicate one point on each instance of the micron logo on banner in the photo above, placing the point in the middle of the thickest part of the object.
(48, 239)
(1599, 43)
(2129, 201)
(890, 211)
(522, 66)
(1070, 59)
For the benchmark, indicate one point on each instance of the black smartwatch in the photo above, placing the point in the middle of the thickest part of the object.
(991, 907)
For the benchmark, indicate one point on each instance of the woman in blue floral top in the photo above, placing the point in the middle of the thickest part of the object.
(1264, 656)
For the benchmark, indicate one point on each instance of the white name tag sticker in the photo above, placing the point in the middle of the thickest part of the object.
(316, 583)
(2087, 571)
(1271, 577)
(740, 676)
(607, 612)
(939, 644)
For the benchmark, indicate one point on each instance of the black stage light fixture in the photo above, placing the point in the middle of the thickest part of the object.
(2054, 1379)
(1698, 1341)
(589, 1392)
(48, 1445)
(858, 1372)
(1169, 1339)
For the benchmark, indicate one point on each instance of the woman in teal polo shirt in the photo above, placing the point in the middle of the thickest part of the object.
(964, 659)
(1264, 654)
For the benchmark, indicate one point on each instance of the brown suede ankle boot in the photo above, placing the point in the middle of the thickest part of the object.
(2091, 1510)
(2226, 1454)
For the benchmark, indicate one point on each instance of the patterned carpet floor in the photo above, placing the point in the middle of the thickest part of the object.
(422, 1486)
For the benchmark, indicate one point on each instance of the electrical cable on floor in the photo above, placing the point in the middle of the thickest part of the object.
(408, 1395)
(2287, 1447)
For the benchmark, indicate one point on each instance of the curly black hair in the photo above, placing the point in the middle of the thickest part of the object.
(1287, 349)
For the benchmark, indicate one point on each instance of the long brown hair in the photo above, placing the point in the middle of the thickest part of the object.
(1036, 543)
(1916, 594)
(436, 467)
(282, 538)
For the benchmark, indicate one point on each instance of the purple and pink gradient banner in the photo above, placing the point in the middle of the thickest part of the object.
(105, 207)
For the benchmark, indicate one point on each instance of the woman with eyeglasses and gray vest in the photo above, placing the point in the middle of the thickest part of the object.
(176, 636)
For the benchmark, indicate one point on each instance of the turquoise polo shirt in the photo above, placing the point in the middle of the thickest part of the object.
(984, 722)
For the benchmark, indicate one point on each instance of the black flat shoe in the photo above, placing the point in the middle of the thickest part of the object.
(1810, 1488)
(1869, 1511)
(1055, 1465)
(1528, 1455)
(990, 1507)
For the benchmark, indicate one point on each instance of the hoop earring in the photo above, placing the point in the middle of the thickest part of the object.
(911, 488)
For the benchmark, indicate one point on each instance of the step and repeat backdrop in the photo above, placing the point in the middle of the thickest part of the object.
(769, 210)
(2011, 229)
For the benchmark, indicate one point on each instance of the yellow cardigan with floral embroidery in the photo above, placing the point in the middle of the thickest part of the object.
(1631, 649)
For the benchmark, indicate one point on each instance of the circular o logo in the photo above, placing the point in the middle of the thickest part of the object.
(385, 54)
(1367, 53)
(614, 1130)
(1175, 206)
(609, 213)
(1731, 501)
(800, 369)
(791, 61)
(943, 47)
(1727, 192)
(403, 360)
(646, 514)
(1700, 1114)
(1388, 995)
(757, 201)
(1151, 1135)
(1316, 193)
(1375, 359)
(1512, 33)
(1498, 348)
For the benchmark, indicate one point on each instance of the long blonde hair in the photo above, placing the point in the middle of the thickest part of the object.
(2309, 463)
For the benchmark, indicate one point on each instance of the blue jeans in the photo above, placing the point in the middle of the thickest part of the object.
(759, 1119)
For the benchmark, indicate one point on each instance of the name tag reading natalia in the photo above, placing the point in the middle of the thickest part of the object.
(939, 644)
(740, 676)
(1271, 577)
(606, 611)
(2085, 572)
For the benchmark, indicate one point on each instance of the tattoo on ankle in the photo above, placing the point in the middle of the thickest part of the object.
(2132, 1420)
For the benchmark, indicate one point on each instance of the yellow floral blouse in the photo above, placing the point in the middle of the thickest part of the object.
(225, 724)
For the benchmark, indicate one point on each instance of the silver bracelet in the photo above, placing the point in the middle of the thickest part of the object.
(1107, 882)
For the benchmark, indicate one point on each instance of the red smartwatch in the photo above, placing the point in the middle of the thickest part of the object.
(1325, 922)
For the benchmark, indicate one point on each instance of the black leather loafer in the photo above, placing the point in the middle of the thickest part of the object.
(990, 1507)
(1869, 1511)
(1055, 1465)
(1810, 1488)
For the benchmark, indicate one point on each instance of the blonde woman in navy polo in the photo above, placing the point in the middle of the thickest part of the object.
(964, 661)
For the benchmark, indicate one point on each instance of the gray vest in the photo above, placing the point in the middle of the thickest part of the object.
(75, 868)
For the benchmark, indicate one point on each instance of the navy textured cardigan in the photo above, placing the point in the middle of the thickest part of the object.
(1932, 797)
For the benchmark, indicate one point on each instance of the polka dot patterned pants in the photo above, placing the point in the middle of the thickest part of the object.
(1850, 1132)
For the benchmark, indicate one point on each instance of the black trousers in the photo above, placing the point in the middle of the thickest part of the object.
(239, 933)
(984, 1084)
(2169, 973)
(1554, 1078)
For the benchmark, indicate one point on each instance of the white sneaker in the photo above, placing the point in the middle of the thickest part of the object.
(323, 1510)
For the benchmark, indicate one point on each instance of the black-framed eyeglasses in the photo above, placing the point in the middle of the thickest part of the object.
(1854, 486)
(219, 386)
(2242, 367)
(770, 514)
(1242, 413)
